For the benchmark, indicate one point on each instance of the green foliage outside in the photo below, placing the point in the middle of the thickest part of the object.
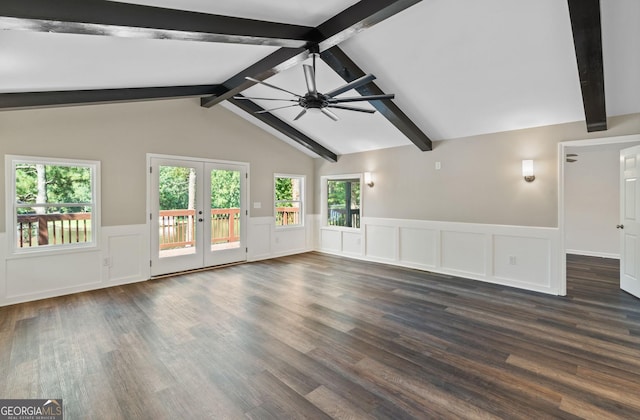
(336, 194)
(225, 189)
(174, 188)
(284, 189)
(62, 184)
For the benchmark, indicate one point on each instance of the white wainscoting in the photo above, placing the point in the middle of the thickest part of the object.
(518, 256)
(266, 241)
(122, 257)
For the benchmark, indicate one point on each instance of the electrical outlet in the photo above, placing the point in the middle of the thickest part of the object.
(512, 260)
(106, 261)
(438, 166)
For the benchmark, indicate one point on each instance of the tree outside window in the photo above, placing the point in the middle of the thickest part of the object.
(288, 200)
(54, 202)
(343, 202)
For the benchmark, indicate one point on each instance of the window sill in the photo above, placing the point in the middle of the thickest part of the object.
(35, 253)
(341, 228)
(289, 227)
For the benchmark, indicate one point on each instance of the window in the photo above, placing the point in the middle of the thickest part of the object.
(342, 201)
(52, 203)
(288, 201)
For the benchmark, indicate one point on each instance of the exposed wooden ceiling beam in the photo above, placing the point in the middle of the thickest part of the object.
(362, 15)
(349, 71)
(276, 123)
(587, 40)
(274, 63)
(100, 17)
(356, 18)
(24, 100)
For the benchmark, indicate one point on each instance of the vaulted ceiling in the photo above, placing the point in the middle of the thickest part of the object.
(457, 67)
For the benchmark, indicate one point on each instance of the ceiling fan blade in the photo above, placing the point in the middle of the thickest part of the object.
(310, 78)
(351, 85)
(329, 114)
(351, 108)
(361, 98)
(304, 111)
(273, 86)
(273, 109)
(263, 99)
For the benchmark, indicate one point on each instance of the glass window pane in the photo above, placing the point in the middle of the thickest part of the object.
(343, 203)
(225, 209)
(177, 217)
(48, 222)
(288, 200)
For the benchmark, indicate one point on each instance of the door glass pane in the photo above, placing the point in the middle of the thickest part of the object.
(177, 218)
(225, 209)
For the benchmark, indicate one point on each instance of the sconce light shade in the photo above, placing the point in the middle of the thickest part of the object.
(368, 179)
(527, 170)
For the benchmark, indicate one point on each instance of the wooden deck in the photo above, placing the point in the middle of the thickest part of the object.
(318, 336)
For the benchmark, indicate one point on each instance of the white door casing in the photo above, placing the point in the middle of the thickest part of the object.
(196, 249)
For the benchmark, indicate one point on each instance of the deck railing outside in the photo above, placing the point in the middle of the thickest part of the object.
(344, 217)
(287, 216)
(53, 229)
(177, 227)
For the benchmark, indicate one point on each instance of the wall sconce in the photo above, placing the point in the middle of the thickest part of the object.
(368, 179)
(527, 170)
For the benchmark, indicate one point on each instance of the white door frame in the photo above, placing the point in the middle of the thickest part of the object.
(562, 258)
(149, 210)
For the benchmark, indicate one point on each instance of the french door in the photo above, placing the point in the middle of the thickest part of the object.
(197, 214)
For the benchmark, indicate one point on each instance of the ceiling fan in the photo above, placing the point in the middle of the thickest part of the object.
(322, 101)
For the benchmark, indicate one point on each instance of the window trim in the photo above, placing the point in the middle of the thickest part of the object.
(303, 193)
(11, 206)
(323, 200)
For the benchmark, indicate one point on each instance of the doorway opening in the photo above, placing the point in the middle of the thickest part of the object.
(580, 232)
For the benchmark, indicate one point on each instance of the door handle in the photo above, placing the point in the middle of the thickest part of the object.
(619, 226)
(200, 219)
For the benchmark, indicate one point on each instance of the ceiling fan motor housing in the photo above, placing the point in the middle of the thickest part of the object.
(314, 101)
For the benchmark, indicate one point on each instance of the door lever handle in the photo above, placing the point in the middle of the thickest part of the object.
(619, 226)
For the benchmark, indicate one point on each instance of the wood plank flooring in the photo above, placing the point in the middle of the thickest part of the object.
(317, 336)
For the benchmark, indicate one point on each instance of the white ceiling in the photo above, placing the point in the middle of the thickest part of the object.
(458, 67)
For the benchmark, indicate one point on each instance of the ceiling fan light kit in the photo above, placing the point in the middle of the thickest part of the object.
(313, 99)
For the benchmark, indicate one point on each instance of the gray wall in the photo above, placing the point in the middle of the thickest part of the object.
(592, 201)
(480, 180)
(120, 135)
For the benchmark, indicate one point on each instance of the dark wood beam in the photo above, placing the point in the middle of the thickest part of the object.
(276, 123)
(349, 71)
(356, 18)
(274, 63)
(587, 40)
(100, 17)
(24, 100)
(360, 16)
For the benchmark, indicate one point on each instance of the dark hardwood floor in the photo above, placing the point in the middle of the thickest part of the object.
(316, 336)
